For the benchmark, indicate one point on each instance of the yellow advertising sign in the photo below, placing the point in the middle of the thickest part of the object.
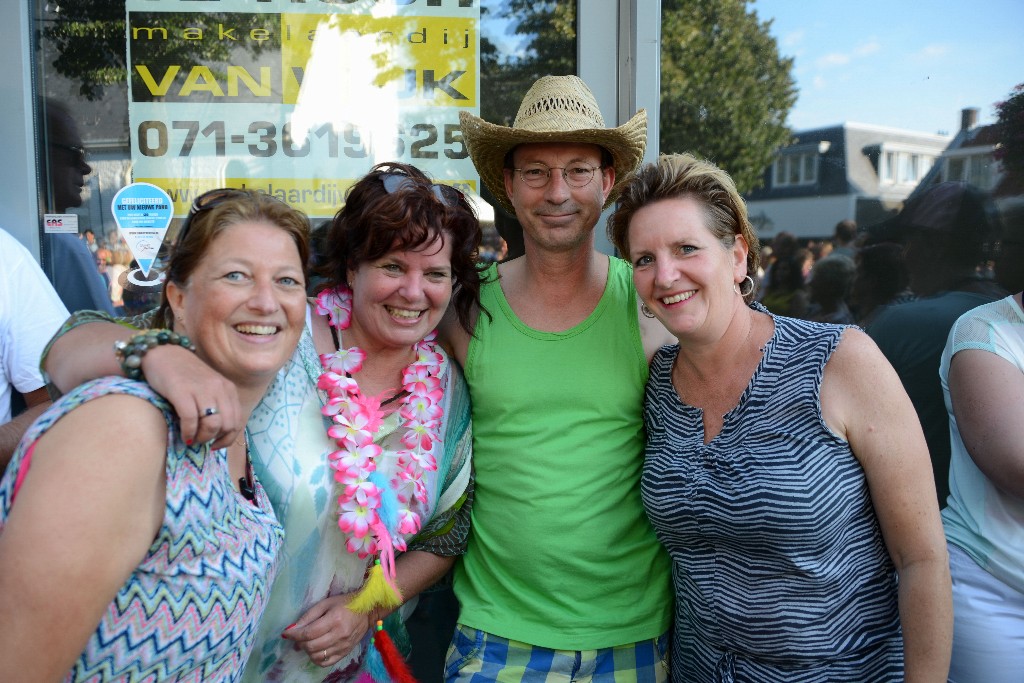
(424, 60)
(302, 100)
(312, 196)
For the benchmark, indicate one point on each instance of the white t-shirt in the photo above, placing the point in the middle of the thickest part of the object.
(30, 313)
(985, 522)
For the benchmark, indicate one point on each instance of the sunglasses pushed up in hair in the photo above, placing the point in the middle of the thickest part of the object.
(395, 182)
(205, 202)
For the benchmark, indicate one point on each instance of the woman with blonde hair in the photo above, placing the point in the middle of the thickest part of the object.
(785, 469)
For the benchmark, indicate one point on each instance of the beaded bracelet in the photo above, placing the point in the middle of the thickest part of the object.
(129, 353)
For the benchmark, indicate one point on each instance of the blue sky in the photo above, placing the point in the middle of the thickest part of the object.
(898, 63)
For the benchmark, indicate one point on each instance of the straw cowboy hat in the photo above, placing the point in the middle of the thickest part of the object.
(556, 109)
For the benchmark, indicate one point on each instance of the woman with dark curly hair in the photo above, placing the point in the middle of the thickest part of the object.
(363, 441)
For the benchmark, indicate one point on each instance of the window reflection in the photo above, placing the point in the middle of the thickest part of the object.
(82, 61)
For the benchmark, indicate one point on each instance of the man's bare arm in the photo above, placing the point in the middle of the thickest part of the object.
(11, 432)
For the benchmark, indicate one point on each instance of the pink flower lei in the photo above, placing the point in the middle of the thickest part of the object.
(374, 511)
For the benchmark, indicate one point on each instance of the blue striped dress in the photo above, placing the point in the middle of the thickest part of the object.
(778, 564)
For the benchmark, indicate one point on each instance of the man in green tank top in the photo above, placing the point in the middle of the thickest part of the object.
(563, 576)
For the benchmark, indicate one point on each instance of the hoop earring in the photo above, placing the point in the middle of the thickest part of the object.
(750, 289)
(646, 311)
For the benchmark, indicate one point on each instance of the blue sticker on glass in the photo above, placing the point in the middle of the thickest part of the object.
(143, 212)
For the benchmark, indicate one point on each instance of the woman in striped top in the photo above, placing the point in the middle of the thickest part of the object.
(785, 472)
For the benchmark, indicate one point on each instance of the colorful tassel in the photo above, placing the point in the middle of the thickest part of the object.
(387, 554)
(375, 665)
(376, 592)
(388, 510)
(393, 661)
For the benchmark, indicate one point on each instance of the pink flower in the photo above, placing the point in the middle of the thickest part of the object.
(364, 493)
(352, 427)
(425, 460)
(357, 461)
(345, 361)
(336, 304)
(369, 408)
(418, 372)
(362, 547)
(408, 522)
(336, 384)
(356, 519)
(421, 491)
(336, 405)
(421, 409)
(428, 386)
(419, 437)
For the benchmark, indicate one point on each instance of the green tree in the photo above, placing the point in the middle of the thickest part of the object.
(85, 41)
(1011, 133)
(725, 90)
(547, 29)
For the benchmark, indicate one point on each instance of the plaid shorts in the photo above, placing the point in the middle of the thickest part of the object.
(475, 657)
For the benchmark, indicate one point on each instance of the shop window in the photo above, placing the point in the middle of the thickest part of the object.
(269, 108)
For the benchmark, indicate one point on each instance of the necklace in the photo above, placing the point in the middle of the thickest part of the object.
(246, 485)
(374, 511)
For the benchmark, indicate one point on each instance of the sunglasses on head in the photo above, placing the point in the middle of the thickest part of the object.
(205, 202)
(446, 194)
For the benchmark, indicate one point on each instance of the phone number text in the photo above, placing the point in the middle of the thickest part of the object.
(266, 139)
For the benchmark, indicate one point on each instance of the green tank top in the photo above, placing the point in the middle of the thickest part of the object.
(561, 553)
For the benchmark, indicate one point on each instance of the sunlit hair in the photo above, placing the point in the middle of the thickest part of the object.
(684, 175)
(240, 206)
(375, 221)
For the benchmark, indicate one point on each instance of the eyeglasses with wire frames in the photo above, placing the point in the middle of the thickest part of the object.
(539, 175)
(446, 194)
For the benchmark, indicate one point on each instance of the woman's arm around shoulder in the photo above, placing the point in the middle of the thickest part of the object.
(84, 349)
(85, 516)
(863, 400)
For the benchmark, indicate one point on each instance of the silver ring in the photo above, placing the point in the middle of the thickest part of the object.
(210, 411)
(325, 656)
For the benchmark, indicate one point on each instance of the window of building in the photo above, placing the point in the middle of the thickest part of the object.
(795, 168)
(904, 166)
(978, 169)
(888, 170)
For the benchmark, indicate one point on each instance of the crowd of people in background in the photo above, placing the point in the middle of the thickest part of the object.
(113, 258)
(816, 279)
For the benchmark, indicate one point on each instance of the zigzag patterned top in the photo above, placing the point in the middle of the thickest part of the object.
(190, 609)
(779, 567)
